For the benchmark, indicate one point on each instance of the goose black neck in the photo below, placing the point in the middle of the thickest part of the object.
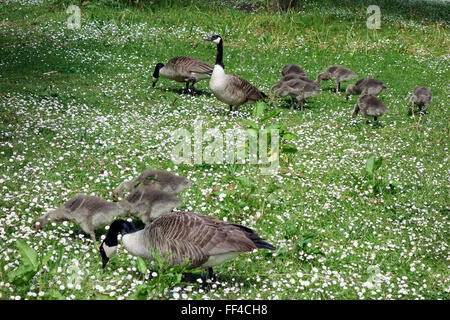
(219, 58)
(117, 226)
(157, 68)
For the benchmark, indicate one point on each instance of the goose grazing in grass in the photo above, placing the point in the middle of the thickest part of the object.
(371, 106)
(338, 74)
(420, 97)
(365, 86)
(292, 69)
(292, 76)
(181, 237)
(148, 204)
(297, 89)
(156, 179)
(228, 88)
(88, 212)
(183, 69)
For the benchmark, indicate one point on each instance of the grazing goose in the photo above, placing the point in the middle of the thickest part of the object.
(183, 69)
(179, 237)
(156, 179)
(88, 212)
(228, 88)
(292, 76)
(148, 204)
(421, 97)
(369, 106)
(292, 69)
(365, 86)
(338, 74)
(297, 89)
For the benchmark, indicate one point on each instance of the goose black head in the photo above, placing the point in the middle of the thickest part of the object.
(156, 73)
(214, 38)
(108, 248)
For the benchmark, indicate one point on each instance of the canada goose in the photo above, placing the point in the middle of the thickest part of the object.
(148, 204)
(88, 212)
(183, 69)
(228, 88)
(338, 74)
(297, 89)
(156, 179)
(180, 237)
(365, 86)
(292, 69)
(421, 97)
(371, 106)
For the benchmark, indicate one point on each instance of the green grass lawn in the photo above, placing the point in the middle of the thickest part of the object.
(339, 233)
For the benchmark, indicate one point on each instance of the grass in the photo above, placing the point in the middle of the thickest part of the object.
(97, 121)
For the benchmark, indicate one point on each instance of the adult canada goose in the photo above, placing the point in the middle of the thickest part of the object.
(365, 86)
(338, 74)
(292, 69)
(369, 106)
(156, 179)
(148, 204)
(228, 88)
(297, 89)
(183, 69)
(181, 237)
(421, 97)
(88, 212)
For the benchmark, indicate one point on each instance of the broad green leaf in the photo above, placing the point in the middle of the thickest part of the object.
(259, 109)
(377, 163)
(21, 275)
(290, 136)
(289, 148)
(271, 114)
(29, 255)
(370, 164)
(141, 265)
(250, 123)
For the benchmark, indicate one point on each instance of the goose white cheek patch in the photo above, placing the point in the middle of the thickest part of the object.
(216, 40)
(109, 251)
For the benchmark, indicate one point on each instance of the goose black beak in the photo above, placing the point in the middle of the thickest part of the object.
(208, 39)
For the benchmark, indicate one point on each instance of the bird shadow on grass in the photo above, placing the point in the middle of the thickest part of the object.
(183, 92)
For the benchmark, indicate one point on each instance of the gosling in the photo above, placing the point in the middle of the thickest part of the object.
(422, 98)
(365, 86)
(369, 106)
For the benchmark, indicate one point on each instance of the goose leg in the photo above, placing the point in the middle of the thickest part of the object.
(292, 103)
(231, 108)
(338, 87)
(211, 275)
(410, 111)
(186, 90)
(193, 91)
(302, 104)
(355, 110)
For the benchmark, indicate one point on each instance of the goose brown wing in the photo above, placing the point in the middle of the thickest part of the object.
(189, 64)
(237, 83)
(187, 235)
